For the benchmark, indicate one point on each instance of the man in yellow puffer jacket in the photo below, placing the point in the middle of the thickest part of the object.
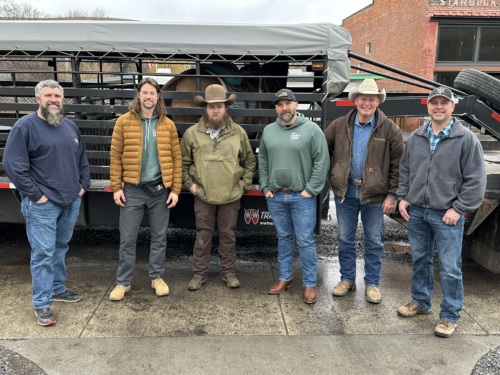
(146, 176)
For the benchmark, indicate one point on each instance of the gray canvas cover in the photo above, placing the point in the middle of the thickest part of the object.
(172, 38)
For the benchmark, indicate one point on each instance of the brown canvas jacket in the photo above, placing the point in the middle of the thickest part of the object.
(384, 149)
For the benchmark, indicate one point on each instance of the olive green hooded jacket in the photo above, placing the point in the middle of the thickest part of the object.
(222, 169)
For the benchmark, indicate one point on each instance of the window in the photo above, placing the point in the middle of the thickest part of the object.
(456, 43)
(445, 78)
(468, 43)
(489, 45)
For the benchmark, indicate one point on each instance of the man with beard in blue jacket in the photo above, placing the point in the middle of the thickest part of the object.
(45, 159)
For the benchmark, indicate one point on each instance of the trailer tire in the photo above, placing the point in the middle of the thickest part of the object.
(479, 84)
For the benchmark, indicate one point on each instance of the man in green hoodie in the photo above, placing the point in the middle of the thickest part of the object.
(293, 163)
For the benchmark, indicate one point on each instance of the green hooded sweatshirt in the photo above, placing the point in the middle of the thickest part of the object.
(293, 157)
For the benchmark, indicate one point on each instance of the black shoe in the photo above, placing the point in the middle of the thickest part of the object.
(44, 317)
(67, 296)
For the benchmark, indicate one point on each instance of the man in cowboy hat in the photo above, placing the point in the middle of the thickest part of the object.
(217, 167)
(365, 148)
(442, 177)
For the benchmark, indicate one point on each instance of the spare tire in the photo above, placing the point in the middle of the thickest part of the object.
(479, 84)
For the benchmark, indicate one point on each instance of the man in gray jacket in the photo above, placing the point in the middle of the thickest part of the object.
(441, 177)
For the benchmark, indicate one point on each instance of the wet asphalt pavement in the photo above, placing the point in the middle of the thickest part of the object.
(99, 245)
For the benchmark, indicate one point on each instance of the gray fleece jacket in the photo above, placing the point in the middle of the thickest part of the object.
(453, 176)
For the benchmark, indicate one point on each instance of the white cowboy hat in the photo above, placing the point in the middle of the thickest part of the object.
(367, 87)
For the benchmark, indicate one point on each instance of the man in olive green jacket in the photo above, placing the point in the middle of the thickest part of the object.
(217, 167)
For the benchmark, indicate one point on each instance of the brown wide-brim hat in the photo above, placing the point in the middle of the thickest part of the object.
(367, 87)
(215, 94)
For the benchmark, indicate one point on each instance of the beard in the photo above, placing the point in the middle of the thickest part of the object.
(287, 116)
(148, 104)
(215, 122)
(53, 116)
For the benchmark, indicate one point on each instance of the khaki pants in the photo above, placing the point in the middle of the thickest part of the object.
(206, 216)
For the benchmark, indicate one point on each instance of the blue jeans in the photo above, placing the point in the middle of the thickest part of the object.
(294, 218)
(49, 228)
(372, 218)
(426, 230)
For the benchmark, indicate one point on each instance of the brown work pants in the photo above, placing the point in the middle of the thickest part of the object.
(206, 215)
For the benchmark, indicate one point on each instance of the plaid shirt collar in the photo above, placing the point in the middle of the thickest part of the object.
(434, 139)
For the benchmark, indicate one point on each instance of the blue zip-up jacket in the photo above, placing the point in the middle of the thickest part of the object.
(453, 176)
(43, 159)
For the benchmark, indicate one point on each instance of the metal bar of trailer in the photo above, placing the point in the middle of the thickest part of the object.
(391, 77)
(399, 71)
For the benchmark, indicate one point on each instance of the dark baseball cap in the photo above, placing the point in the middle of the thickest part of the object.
(441, 91)
(285, 94)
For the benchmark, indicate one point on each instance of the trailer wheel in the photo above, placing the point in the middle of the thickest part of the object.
(480, 84)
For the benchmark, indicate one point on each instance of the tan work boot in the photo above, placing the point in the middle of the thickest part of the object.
(445, 328)
(373, 294)
(411, 309)
(197, 281)
(343, 287)
(118, 293)
(231, 280)
(160, 286)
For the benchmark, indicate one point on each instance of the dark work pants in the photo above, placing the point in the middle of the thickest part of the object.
(138, 202)
(206, 215)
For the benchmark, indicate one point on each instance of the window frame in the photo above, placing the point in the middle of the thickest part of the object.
(477, 43)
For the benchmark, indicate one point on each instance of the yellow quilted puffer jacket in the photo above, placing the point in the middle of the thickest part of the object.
(126, 152)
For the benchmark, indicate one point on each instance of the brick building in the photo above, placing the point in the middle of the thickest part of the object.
(434, 39)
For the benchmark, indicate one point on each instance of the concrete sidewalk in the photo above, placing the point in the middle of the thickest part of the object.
(239, 354)
(224, 331)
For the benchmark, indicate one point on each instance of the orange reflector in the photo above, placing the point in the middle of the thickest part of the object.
(318, 66)
(254, 192)
(486, 206)
(344, 103)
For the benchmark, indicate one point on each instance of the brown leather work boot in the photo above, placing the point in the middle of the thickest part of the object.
(411, 309)
(196, 282)
(231, 280)
(445, 328)
(310, 294)
(280, 286)
(342, 288)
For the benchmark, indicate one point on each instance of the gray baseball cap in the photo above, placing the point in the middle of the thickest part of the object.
(285, 94)
(441, 91)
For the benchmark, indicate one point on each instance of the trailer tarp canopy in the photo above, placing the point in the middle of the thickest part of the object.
(163, 39)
